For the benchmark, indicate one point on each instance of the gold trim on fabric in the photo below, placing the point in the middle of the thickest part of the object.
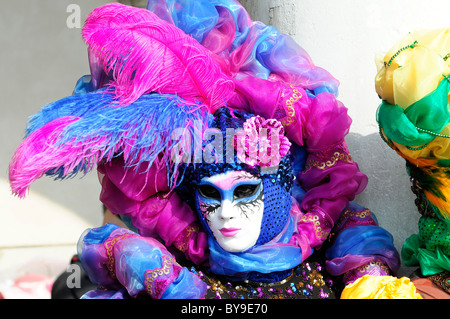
(182, 243)
(151, 275)
(337, 156)
(320, 233)
(109, 245)
(352, 213)
(365, 268)
(296, 95)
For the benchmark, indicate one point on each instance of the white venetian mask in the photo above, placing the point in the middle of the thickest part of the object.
(232, 204)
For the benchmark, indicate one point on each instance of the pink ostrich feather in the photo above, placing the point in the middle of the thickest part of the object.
(143, 53)
(33, 154)
(41, 152)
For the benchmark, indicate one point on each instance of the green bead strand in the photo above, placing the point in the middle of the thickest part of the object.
(432, 133)
(417, 148)
(411, 46)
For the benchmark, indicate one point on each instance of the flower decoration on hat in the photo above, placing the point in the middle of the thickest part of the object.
(261, 142)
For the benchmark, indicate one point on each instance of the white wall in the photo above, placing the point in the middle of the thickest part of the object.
(41, 59)
(344, 36)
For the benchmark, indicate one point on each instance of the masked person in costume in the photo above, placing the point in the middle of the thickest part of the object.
(221, 146)
(413, 81)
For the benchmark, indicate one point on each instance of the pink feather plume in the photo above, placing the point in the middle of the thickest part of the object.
(40, 152)
(35, 149)
(144, 53)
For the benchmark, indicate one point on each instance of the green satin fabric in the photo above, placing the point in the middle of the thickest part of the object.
(430, 249)
(430, 113)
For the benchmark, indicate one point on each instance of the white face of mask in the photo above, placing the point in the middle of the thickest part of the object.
(232, 204)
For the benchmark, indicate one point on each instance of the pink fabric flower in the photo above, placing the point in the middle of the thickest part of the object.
(261, 142)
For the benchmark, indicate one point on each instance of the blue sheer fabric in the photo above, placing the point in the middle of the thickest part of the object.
(274, 256)
(250, 48)
(362, 240)
(135, 257)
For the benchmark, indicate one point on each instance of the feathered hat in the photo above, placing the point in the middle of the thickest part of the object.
(147, 78)
(152, 71)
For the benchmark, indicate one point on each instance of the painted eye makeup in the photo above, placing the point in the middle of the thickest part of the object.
(245, 191)
(208, 191)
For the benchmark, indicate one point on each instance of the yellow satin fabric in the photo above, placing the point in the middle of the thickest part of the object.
(414, 72)
(411, 75)
(381, 287)
(438, 148)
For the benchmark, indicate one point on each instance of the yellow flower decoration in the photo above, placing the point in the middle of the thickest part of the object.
(381, 287)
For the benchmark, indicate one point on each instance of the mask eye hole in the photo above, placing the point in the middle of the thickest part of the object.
(208, 191)
(246, 190)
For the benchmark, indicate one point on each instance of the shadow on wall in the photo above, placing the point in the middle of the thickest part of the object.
(388, 194)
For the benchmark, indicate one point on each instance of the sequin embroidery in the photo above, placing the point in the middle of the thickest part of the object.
(157, 280)
(182, 240)
(289, 107)
(328, 158)
(306, 281)
(321, 233)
